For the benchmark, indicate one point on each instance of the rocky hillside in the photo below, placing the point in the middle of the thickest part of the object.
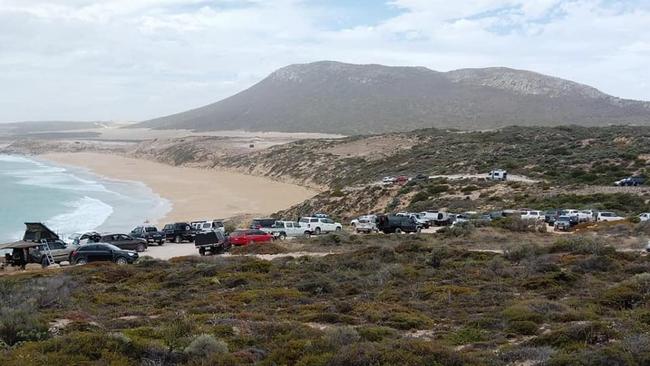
(341, 98)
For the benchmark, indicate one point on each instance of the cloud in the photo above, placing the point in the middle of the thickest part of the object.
(132, 60)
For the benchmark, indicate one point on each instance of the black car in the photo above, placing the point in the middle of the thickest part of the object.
(179, 232)
(125, 242)
(149, 233)
(397, 224)
(263, 223)
(102, 252)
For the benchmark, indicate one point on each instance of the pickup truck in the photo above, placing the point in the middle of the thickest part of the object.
(179, 232)
(149, 233)
(214, 242)
(285, 229)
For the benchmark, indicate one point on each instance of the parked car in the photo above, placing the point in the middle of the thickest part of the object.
(551, 216)
(644, 216)
(420, 178)
(205, 226)
(102, 252)
(630, 181)
(285, 229)
(354, 222)
(388, 180)
(389, 224)
(149, 233)
(367, 225)
(586, 216)
(498, 174)
(532, 215)
(262, 223)
(214, 242)
(608, 216)
(179, 232)
(126, 242)
(563, 223)
(60, 251)
(85, 238)
(317, 225)
(402, 179)
(245, 237)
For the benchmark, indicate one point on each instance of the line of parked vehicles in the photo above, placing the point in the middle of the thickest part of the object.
(411, 222)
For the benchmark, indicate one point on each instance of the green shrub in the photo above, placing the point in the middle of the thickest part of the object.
(206, 345)
(582, 245)
(467, 335)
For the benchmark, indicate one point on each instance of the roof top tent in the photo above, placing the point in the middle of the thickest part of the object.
(498, 174)
(36, 231)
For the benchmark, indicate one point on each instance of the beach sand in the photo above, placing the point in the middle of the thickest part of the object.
(194, 193)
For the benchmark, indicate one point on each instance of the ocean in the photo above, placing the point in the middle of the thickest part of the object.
(70, 200)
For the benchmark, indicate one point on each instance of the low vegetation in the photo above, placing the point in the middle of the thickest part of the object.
(409, 300)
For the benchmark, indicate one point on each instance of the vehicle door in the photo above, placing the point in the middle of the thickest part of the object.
(329, 225)
(125, 242)
(59, 251)
(92, 252)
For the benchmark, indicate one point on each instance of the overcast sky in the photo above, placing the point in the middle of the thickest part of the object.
(138, 59)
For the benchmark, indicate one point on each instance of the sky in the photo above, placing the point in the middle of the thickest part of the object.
(131, 60)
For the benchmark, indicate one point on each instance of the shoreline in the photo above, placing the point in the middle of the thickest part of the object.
(194, 193)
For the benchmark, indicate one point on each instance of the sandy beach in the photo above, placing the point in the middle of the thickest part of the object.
(194, 193)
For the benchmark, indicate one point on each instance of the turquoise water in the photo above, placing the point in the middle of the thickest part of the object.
(70, 200)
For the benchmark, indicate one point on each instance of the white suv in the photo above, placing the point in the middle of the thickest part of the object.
(318, 225)
(608, 216)
(532, 215)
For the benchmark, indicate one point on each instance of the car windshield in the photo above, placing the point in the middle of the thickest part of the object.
(304, 220)
(238, 233)
(564, 218)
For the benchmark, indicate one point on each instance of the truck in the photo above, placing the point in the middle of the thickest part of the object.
(213, 242)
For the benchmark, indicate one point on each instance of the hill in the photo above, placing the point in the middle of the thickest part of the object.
(334, 97)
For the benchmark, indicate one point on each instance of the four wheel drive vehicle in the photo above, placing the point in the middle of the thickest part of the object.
(551, 216)
(420, 178)
(563, 223)
(630, 181)
(532, 215)
(285, 229)
(125, 242)
(149, 233)
(262, 223)
(608, 216)
(402, 179)
(214, 242)
(245, 237)
(644, 216)
(397, 224)
(102, 252)
(586, 216)
(438, 218)
(418, 217)
(60, 251)
(498, 174)
(209, 226)
(354, 222)
(179, 232)
(317, 225)
(366, 225)
(388, 180)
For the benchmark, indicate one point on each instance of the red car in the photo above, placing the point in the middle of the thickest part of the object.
(245, 237)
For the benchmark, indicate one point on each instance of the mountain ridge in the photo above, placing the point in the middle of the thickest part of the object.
(335, 97)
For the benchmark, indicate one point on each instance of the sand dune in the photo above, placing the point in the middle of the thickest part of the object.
(194, 193)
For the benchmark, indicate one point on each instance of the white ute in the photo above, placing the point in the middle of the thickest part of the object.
(319, 225)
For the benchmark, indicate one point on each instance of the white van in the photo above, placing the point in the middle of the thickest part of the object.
(532, 215)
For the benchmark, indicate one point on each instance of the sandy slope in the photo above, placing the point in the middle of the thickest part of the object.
(194, 193)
